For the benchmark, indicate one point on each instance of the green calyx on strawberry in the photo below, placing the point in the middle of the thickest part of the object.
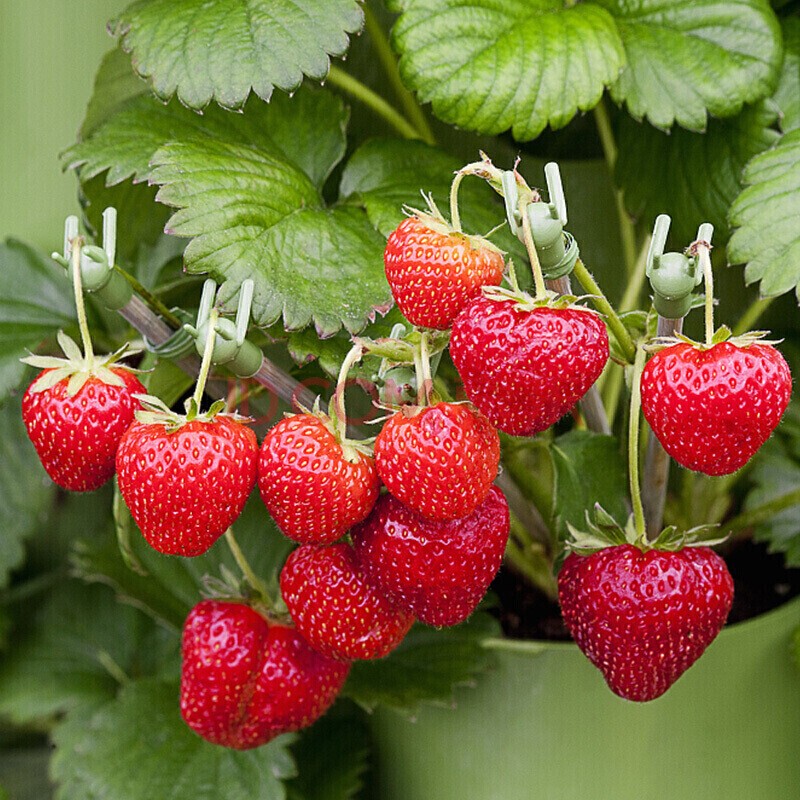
(155, 412)
(643, 614)
(77, 368)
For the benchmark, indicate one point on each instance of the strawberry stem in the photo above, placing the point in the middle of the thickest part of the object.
(425, 364)
(258, 586)
(208, 351)
(633, 443)
(536, 267)
(340, 412)
(77, 285)
(704, 254)
(455, 215)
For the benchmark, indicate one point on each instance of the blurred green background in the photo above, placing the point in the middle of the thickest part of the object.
(49, 51)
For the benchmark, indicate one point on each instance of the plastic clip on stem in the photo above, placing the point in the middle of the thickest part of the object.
(673, 278)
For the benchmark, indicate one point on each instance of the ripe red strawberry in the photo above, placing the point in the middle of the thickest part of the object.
(438, 570)
(315, 488)
(246, 680)
(434, 271)
(712, 409)
(186, 486)
(526, 368)
(644, 617)
(439, 460)
(76, 437)
(335, 608)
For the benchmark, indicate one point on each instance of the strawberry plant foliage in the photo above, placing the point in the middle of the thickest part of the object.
(221, 51)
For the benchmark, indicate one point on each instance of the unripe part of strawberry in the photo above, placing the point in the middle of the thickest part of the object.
(76, 438)
(245, 680)
(644, 617)
(186, 487)
(712, 409)
(438, 460)
(334, 606)
(434, 273)
(311, 488)
(526, 368)
(439, 571)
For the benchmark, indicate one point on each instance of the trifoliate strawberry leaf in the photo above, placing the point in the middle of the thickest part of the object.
(787, 95)
(691, 176)
(491, 65)
(589, 471)
(35, 302)
(331, 756)
(425, 668)
(137, 747)
(687, 60)
(765, 214)
(385, 175)
(73, 649)
(221, 51)
(254, 215)
(25, 489)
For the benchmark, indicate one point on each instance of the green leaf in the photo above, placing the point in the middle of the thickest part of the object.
(776, 472)
(137, 747)
(25, 489)
(589, 470)
(256, 216)
(787, 95)
(62, 652)
(690, 59)
(35, 301)
(425, 668)
(691, 176)
(307, 130)
(491, 65)
(173, 585)
(384, 175)
(765, 214)
(331, 756)
(223, 50)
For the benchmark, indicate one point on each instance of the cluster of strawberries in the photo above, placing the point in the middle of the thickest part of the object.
(370, 563)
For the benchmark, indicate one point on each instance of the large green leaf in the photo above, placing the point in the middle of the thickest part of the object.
(426, 667)
(331, 756)
(223, 50)
(63, 650)
(687, 59)
(25, 489)
(691, 176)
(588, 469)
(490, 65)
(787, 95)
(35, 301)
(137, 747)
(254, 215)
(765, 215)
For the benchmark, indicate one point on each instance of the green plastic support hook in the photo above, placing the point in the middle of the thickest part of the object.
(98, 275)
(231, 348)
(673, 276)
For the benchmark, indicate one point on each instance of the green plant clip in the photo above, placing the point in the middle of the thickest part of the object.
(673, 276)
(98, 275)
(231, 348)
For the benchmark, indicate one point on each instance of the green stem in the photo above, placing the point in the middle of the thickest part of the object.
(627, 230)
(600, 302)
(244, 565)
(83, 325)
(541, 578)
(455, 215)
(533, 256)
(708, 276)
(208, 351)
(424, 389)
(352, 86)
(389, 64)
(633, 443)
(612, 391)
(356, 351)
(752, 315)
(747, 519)
(152, 301)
